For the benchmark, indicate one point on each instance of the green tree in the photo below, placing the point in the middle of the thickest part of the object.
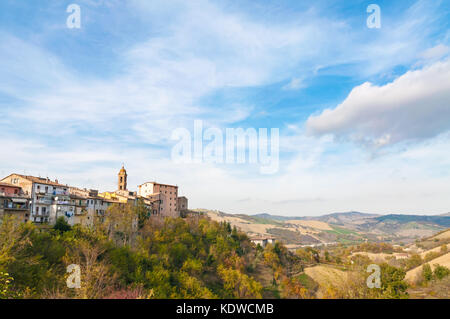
(5, 285)
(61, 225)
(239, 285)
(440, 272)
(392, 282)
(427, 273)
(142, 213)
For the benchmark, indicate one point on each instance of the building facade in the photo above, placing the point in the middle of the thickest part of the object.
(165, 195)
(42, 200)
(49, 199)
(182, 203)
(13, 202)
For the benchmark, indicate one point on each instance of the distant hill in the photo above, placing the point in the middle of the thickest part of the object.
(440, 220)
(345, 217)
(334, 217)
(343, 227)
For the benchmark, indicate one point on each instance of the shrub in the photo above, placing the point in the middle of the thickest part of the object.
(440, 272)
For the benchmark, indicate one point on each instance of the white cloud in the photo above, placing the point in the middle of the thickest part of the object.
(435, 53)
(414, 106)
(295, 84)
(195, 49)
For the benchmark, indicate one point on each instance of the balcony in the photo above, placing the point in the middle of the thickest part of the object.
(41, 214)
(14, 206)
(44, 201)
(80, 212)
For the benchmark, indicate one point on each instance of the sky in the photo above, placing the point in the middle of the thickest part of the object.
(363, 113)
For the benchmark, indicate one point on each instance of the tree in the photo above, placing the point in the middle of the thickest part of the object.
(392, 283)
(414, 261)
(427, 273)
(62, 225)
(142, 213)
(121, 223)
(96, 279)
(440, 272)
(14, 238)
(239, 285)
(5, 286)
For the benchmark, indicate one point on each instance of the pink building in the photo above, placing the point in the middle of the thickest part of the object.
(9, 189)
(166, 194)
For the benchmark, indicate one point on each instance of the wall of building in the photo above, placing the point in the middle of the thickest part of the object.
(168, 197)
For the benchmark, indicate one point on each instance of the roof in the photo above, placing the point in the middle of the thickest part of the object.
(39, 180)
(14, 196)
(123, 170)
(8, 185)
(158, 184)
(74, 196)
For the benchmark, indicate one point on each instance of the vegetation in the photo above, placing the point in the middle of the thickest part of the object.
(130, 254)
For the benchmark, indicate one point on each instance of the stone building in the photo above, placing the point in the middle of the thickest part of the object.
(164, 195)
(182, 203)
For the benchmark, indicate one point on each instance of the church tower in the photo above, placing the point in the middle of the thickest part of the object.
(122, 179)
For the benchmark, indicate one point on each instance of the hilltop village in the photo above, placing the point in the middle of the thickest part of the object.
(43, 201)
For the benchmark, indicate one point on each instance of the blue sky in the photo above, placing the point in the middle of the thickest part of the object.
(363, 114)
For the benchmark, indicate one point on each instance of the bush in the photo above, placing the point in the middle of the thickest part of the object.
(427, 273)
(440, 272)
(62, 225)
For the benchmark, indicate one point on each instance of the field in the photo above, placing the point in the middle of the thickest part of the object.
(413, 275)
(326, 275)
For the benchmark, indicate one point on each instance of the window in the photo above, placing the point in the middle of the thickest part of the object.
(37, 210)
(46, 189)
(44, 210)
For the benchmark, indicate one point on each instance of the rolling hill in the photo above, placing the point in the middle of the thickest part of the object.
(345, 227)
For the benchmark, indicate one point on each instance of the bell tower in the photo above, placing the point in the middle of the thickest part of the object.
(122, 179)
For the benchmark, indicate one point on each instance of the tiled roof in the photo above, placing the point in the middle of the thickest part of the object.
(158, 184)
(41, 180)
(8, 185)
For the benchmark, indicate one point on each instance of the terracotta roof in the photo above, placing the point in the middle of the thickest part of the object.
(40, 180)
(158, 184)
(9, 185)
(122, 170)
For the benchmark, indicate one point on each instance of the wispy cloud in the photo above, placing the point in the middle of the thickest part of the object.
(64, 112)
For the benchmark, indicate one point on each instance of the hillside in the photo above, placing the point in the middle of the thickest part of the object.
(346, 228)
(413, 275)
